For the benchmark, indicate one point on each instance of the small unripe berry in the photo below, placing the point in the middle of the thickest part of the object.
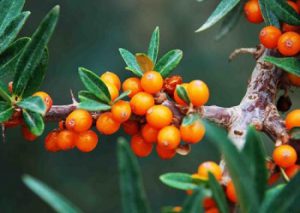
(79, 121)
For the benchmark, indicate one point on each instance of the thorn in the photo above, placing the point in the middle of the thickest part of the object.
(73, 98)
(3, 132)
(278, 142)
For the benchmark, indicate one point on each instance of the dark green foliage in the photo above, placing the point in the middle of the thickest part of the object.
(288, 64)
(154, 45)
(190, 119)
(168, 62)
(131, 62)
(34, 122)
(182, 181)
(33, 104)
(91, 105)
(192, 203)
(6, 111)
(182, 93)
(269, 17)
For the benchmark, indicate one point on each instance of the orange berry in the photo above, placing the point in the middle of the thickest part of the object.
(290, 28)
(192, 133)
(46, 98)
(159, 116)
(66, 139)
(51, 141)
(112, 78)
(140, 147)
(209, 166)
(169, 137)
(292, 119)
(291, 171)
(177, 209)
(113, 90)
(141, 102)
(61, 125)
(208, 202)
(198, 92)
(230, 192)
(212, 210)
(10, 87)
(133, 85)
(289, 43)
(27, 134)
(87, 141)
(273, 178)
(294, 79)
(152, 82)
(284, 156)
(79, 121)
(252, 12)
(177, 99)
(294, 6)
(149, 133)
(189, 192)
(131, 127)
(106, 124)
(269, 36)
(121, 111)
(164, 153)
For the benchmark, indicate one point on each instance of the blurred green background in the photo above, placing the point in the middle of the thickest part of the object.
(89, 34)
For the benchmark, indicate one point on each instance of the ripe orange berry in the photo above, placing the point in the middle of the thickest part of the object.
(164, 153)
(152, 82)
(292, 119)
(131, 127)
(290, 28)
(106, 124)
(284, 156)
(10, 87)
(140, 147)
(252, 12)
(198, 92)
(273, 178)
(27, 134)
(208, 202)
(294, 79)
(177, 99)
(269, 36)
(212, 210)
(66, 139)
(159, 116)
(46, 98)
(51, 141)
(141, 102)
(149, 133)
(113, 90)
(289, 43)
(87, 141)
(169, 137)
(61, 124)
(192, 133)
(79, 121)
(112, 78)
(133, 85)
(209, 166)
(177, 209)
(230, 192)
(291, 171)
(294, 6)
(121, 111)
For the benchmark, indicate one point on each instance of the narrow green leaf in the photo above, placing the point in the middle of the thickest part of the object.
(33, 104)
(284, 11)
(12, 30)
(123, 95)
(168, 62)
(87, 96)
(33, 52)
(6, 111)
(218, 194)
(93, 106)
(94, 84)
(182, 93)
(154, 45)
(178, 180)
(54, 199)
(270, 195)
(224, 7)
(4, 94)
(131, 62)
(34, 122)
(9, 9)
(133, 194)
(192, 203)
(295, 133)
(269, 17)
(190, 119)
(288, 64)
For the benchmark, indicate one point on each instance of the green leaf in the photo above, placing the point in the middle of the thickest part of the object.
(269, 17)
(33, 104)
(121, 96)
(238, 167)
(10, 56)
(90, 105)
(6, 111)
(4, 94)
(168, 62)
(12, 30)
(34, 122)
(154, 45)
(218, 194)
(131, 62)
(182, 93)
(295, 133)
(254, 152)
(270, 195)
(58, 202)
(230, 21)
(132, 190)
(86, 96)
(284, 11)
(288, 64)
(178, 180)
(224, 7)
(94, 84)
(33, 52)
(192, 203)
(190, 119)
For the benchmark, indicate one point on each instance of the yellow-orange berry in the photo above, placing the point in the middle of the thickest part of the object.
(133, 85)
(177, 99)
(252, 12)
(66, 139)
(51, 141)
(292, 119)
(79, 120)
(198, 92)
(149, 133)
(269, 36)
(289, 43)
(113, 90)
(209, 166)
(87, 141)
(192, 133)
(112, 78)
(46, 98)
(159, 116)
(106, 124)
(27, 134)
(141, 102)
(152, 82)
(121, 111)
(284, 156)
(291, 171)
(169, 137)
(294, 79)
(230, 192)
(131, 127)
(164, 153)
(140, 147)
